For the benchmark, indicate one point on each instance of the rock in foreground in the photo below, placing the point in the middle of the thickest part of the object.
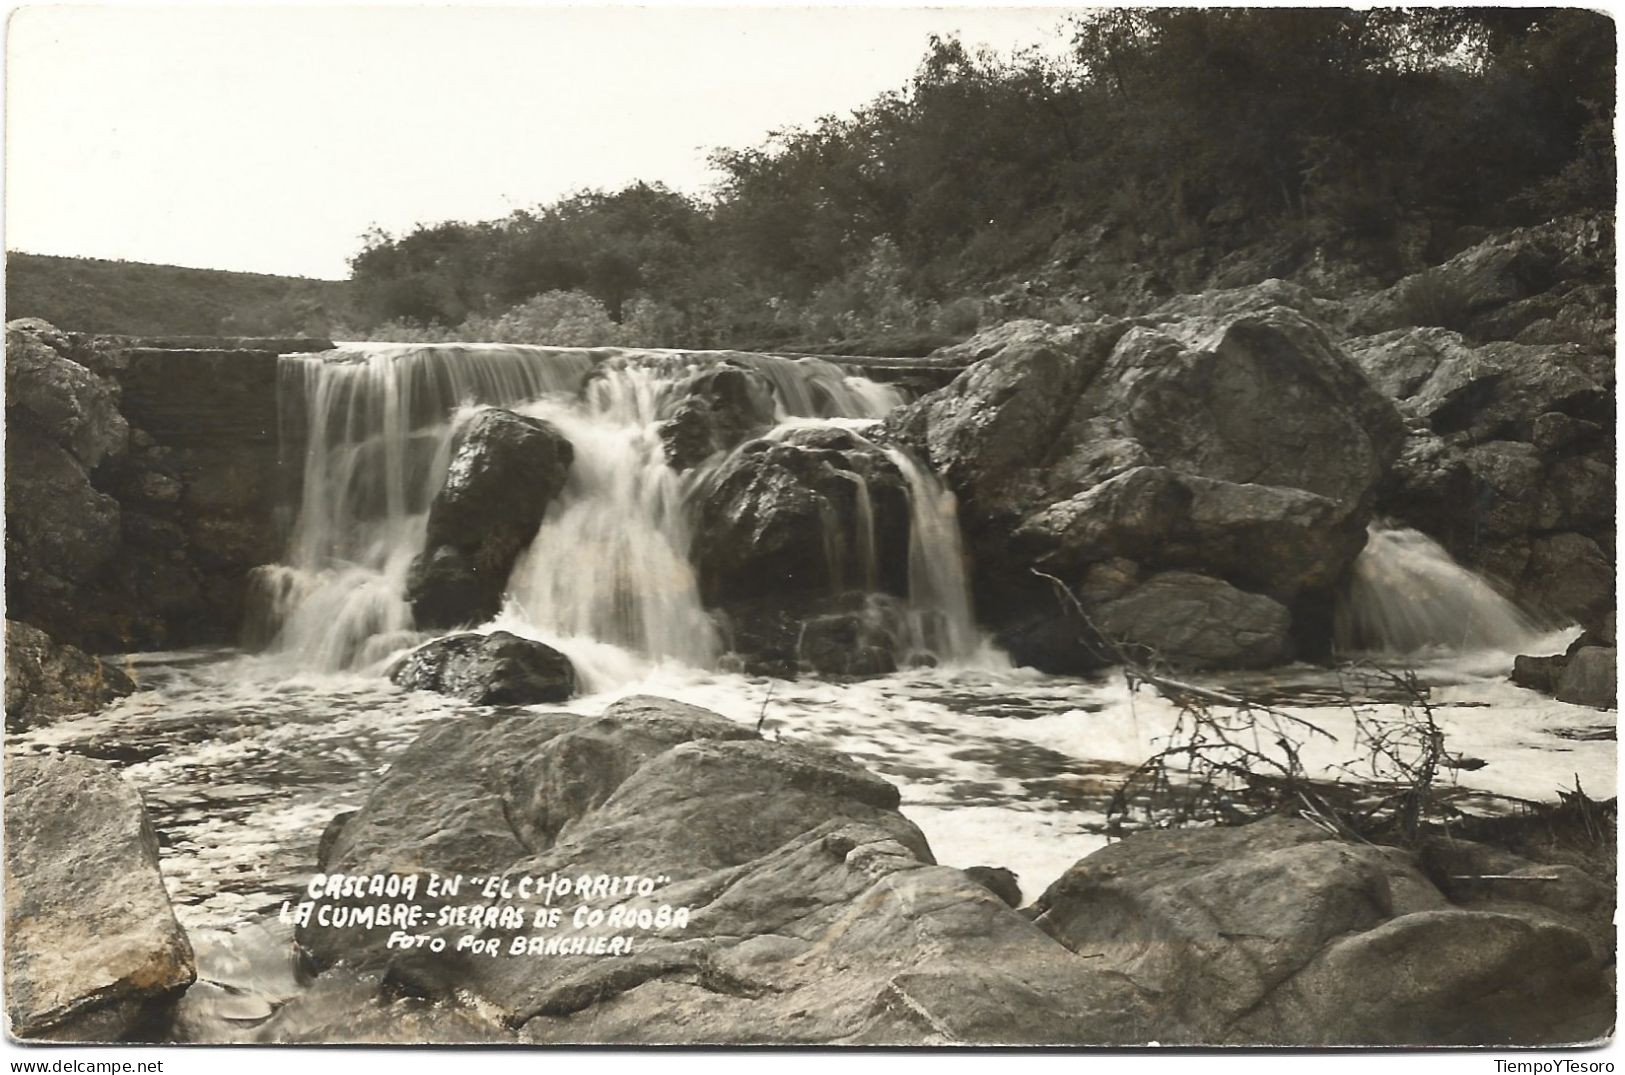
(494, 669)
(1277, 934)
(816, 913)
(92, 946)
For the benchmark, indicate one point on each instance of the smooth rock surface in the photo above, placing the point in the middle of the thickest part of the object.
(817, 915)
(92, 945)
(1276, 934)
(1193, 621)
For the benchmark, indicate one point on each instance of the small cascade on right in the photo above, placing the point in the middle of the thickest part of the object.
(1407, 596)
(941, 620)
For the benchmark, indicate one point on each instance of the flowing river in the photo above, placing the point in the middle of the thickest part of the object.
(243, 757)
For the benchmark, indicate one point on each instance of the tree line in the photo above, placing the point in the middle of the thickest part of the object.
(1151, 151)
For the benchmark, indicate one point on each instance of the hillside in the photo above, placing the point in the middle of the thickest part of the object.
(92, 295)
(1154, 152)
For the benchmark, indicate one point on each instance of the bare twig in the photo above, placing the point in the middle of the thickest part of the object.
(761, 717)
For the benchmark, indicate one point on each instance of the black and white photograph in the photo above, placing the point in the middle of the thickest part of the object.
(844, 527)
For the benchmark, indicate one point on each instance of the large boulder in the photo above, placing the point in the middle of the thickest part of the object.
(1274, 539)
(816, 914)
(1193, 621)
(505, 470)
(1225, 436)
(488, 669)
(92, 946)
(805, 514)
(1590, 678)
(715, 410)
(59, 397)
(46, 679)
(1277, 934)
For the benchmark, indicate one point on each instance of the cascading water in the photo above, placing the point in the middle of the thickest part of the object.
(1407, 596)
(610, 563)
(380, 422)
(608, 574)
(940, 617)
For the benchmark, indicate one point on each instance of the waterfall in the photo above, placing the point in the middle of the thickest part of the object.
(940, 617)
(610, 562)
(1406, 595)
(814, 388)
(380, 420)
(609, 567)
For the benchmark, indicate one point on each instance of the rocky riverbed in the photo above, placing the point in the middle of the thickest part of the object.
(242, 769)
(860, 675)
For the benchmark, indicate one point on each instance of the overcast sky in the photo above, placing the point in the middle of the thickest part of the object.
(269, 140)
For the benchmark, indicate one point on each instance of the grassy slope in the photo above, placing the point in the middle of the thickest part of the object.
(91, 295)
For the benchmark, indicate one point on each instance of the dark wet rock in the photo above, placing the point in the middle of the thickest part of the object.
(860, 642)
(1590, 678)
(145, 485)
(717, 409)
(92, 947)
(1275, 934)
(1538, 673)
(1586, 674)
(488, 669)
(1193, 621)
(850, 634)
(1553, 432)
(1059, 643)
(446, 589)
(997, 880)
(1600, 631)
(788, 516)
(1075, 447)
(46, 679)
(816, 913)
(60, 531)
(505, 470)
